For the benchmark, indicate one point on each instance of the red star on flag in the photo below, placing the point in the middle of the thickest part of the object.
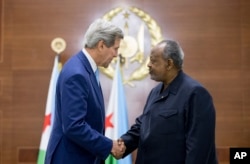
(108, 122)
(46, 121)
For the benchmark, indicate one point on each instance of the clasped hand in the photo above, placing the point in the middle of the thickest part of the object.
(118, 148)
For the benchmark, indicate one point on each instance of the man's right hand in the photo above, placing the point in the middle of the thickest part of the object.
(118, 148)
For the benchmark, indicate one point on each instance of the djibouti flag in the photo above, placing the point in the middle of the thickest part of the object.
(49, 112)
(116, 121)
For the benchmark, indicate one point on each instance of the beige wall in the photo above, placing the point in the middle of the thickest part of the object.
(215, 36)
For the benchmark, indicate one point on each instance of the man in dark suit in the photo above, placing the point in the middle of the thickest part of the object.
(78, 130)
(177, 125)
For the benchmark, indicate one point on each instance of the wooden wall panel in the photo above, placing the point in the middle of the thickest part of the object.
(1, 136)
(215, 36)
(1, 31)
(245, 26)
(6, 131)
(1, 83)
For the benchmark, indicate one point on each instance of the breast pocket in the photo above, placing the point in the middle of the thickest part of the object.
(165, 122)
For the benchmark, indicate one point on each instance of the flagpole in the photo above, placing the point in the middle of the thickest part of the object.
(58, 45)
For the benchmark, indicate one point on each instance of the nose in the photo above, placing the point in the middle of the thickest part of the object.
(149, 64)
(115, 54)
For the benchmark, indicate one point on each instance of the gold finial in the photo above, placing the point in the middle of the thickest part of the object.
(58, 45)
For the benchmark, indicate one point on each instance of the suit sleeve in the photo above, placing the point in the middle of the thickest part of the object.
(132, 136)
(75, 92)
(200, 135)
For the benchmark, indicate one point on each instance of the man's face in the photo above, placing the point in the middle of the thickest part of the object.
(108, 53)
(157, 65)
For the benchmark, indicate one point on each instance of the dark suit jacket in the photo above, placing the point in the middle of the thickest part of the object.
(77, 135)
(176, 127)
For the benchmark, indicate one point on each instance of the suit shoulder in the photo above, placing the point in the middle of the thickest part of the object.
(194, 85)
(74, 69)
(191, 82)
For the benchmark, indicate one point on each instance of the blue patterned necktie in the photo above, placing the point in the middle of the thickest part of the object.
(97, 76)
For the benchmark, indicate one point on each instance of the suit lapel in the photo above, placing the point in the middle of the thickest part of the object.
(96, 87)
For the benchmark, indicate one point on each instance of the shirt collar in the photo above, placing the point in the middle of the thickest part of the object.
(90, 59)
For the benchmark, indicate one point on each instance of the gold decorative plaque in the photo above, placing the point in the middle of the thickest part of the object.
(141, 33)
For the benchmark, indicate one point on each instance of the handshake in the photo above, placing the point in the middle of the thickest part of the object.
(118, 148)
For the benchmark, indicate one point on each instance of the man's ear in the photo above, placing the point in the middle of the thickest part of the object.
(170, 64)
(100, 45)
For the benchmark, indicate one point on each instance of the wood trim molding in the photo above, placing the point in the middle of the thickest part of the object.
(27, 154)
(1, 136)
(1, 87)
(223, 154)
(1, 30)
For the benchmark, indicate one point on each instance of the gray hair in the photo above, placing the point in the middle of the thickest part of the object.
(173, 50)
(102, 30)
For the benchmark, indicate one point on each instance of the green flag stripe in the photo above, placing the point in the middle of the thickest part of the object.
(111, 160)
(41, 157)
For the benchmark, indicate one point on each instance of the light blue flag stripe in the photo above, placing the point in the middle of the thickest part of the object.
(122, 113)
